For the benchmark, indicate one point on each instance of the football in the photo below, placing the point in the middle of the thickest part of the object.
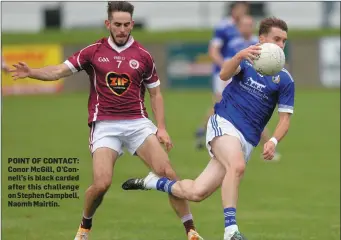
(270, 61)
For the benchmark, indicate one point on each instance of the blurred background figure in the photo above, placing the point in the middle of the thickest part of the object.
(246, 27)
(225, 32)
(328, 8)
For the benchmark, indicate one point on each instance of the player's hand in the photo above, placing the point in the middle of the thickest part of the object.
(21, 70)
(164, 138)
(250, 53)
(269, 150)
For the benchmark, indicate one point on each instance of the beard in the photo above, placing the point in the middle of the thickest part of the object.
(117, 43)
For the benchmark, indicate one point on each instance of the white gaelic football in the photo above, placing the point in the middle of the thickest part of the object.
(270, 61)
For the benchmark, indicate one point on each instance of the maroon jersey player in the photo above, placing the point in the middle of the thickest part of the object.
(120, 70)
(119, 76)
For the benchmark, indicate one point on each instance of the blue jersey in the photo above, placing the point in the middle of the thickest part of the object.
(223, 34)
(239, 43)
(249, 100)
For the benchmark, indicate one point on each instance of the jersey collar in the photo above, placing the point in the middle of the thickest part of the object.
(122, 48)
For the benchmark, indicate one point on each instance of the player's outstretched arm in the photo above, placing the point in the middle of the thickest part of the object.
(156, 101)
(281, 130)
(232, 67)
(48, 73)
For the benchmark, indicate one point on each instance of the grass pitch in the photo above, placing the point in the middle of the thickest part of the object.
(296, 198)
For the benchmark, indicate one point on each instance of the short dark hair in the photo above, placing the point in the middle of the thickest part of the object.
(267, 23)
(120, 6)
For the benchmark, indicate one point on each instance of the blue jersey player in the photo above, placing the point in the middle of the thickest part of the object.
(225, 32)
(235, 128)
(246, 39)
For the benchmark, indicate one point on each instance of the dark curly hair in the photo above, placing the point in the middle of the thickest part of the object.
(120, 6)
(270, 22)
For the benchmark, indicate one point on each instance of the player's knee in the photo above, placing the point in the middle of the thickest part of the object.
(166, 170)
(199, 195)
(170, 173)
(238, 168)
(102, 185)
(193, 191)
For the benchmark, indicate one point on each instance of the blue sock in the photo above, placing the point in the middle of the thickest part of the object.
(165, 185)
(200, 132)
(230, 216)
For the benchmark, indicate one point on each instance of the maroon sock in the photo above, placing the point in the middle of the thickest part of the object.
(189, 224)
(86, 223)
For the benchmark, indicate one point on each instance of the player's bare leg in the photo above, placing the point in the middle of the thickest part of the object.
(265, 137)
(152, 153)
(193, 190)
(203, 186)
(227, 149)
(103, 162)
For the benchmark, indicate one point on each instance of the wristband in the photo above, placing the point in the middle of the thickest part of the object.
(274, 140)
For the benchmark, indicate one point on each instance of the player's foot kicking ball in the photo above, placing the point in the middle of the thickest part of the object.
(235, 236)
(82, 234)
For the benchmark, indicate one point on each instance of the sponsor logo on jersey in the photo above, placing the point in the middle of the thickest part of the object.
(254, 84)
(118, 83)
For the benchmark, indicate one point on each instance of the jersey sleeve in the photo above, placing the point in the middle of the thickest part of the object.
(150, 77)
(218, 37)
(286, 97)
(81, 59)
(244, 64)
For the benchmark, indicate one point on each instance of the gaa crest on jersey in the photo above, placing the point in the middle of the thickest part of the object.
(134, 64)
(276, 79)
(118, 83)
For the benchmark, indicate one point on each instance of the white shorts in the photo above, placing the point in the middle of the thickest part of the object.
(218, 84)
(218, 126)
(116, 134)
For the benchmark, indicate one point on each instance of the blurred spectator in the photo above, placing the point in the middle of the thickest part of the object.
(327, 9)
